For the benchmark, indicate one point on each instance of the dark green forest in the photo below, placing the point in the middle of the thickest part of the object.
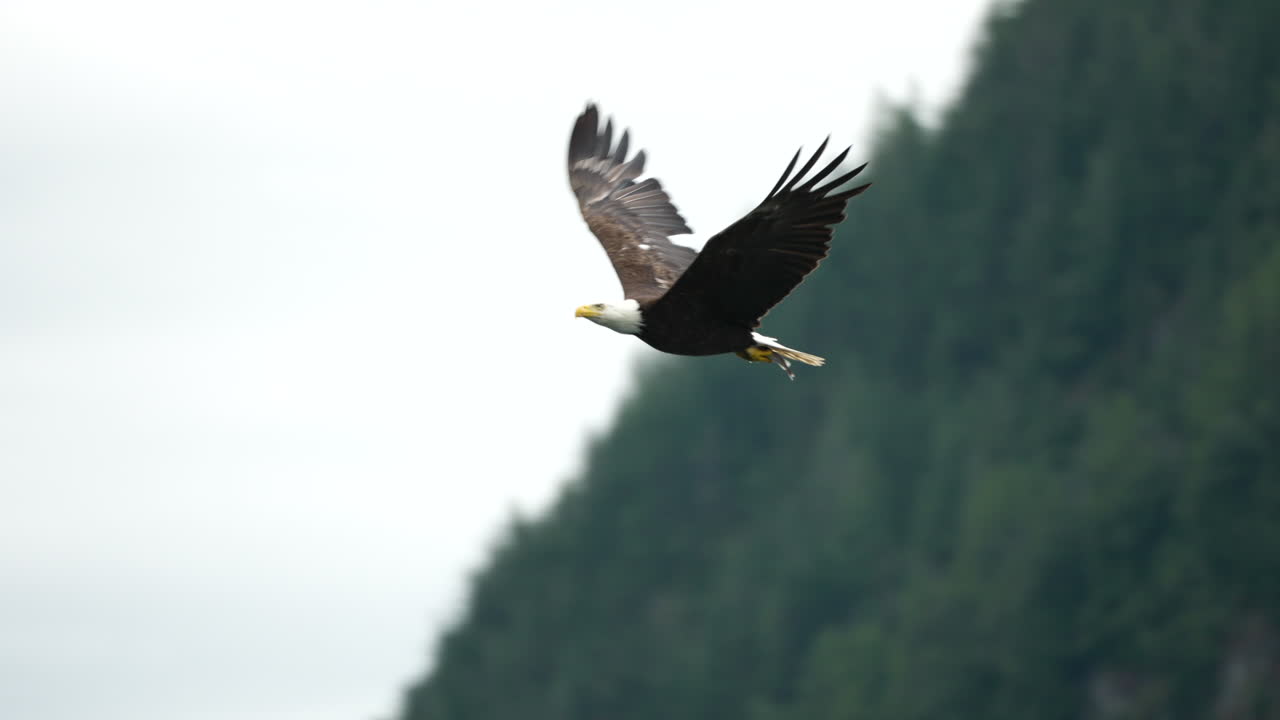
(1040, 475)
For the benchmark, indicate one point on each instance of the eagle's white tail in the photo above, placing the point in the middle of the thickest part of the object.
(798, 356)
(782, 355)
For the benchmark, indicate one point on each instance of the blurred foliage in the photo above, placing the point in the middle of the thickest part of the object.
(1040, 477)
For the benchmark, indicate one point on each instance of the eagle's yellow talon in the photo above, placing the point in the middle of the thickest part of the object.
(756, 354)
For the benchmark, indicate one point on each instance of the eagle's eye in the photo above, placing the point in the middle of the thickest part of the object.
(599, 306)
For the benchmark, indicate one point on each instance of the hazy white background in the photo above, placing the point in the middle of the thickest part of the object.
(286, 295)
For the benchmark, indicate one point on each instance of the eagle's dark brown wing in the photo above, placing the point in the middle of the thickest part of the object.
(633, 220)
(750, 266)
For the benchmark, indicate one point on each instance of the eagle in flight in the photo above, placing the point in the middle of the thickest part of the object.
(710, 302)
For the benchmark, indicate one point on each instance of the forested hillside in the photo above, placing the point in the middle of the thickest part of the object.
(1040, 477)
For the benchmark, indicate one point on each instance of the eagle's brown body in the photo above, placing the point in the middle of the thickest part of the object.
(690, 329)
(710, 302)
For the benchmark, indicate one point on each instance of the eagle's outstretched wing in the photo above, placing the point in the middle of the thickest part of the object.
(747, 268)
(633, 220)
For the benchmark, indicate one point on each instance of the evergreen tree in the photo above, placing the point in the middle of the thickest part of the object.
(1040, 477)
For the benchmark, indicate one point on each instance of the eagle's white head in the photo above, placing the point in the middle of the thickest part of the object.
(623, 317)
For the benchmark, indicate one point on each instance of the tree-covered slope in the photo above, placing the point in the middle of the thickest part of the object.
(1040, 476)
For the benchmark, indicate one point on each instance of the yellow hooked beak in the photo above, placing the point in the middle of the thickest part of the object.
(586, 311)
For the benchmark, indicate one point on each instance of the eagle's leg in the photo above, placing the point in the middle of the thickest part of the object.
(785, 364)
(763, 353)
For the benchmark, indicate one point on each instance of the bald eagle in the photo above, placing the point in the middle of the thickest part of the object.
(710, 302)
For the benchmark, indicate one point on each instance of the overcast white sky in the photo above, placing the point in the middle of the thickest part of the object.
(286, 295)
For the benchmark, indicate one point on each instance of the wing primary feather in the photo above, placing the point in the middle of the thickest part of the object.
(840, 180)
(850, 193)
(807, 166)
(605, 141)
(818, 176)
(620, 155)
(790, 166)
(582, 142)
